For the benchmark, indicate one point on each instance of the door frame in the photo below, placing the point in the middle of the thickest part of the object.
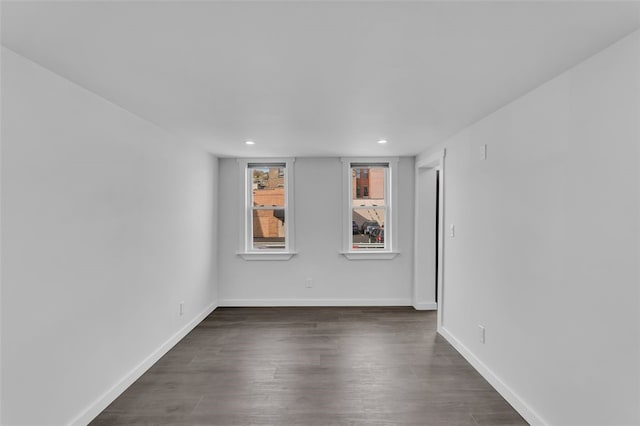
(434, 161)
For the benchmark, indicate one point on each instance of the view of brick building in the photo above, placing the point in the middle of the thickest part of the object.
(268, 191)
(368, 195)
(368, 183)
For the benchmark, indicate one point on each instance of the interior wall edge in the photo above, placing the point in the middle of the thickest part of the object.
(108, 397)
(530, 415)
(159, 127)
(312, 302)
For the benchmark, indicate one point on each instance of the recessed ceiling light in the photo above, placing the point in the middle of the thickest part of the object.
(250, 142)
(382, 141)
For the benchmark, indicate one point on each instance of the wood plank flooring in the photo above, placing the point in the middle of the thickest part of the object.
(312, 366)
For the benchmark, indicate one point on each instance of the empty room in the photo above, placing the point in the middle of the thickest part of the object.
(320, 213)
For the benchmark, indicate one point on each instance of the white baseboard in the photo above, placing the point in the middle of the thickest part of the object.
(507, 393)
(108, 397)
(425, 306)
(312, 302)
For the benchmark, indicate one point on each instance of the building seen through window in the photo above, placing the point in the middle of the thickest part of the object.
(369, 207)
(268, 205)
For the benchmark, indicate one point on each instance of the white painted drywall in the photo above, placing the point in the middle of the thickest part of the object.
(546, 249)
(107, 225)
(425, 238)
(336, 280)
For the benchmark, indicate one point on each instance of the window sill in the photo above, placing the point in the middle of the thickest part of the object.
(380, 255)
(266, 256)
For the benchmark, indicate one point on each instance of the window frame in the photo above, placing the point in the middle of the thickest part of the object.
(390, 192)
(246, 249)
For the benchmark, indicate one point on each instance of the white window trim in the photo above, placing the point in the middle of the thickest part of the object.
(245, 244)
(391, 191)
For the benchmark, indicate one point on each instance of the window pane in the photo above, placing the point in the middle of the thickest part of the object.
(268, 186)
(368, 228)
(268, 229)
(367, 186)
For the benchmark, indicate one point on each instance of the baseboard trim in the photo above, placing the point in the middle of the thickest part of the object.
(108, 397)
(427, 306)
(533, 418)
(312, 302)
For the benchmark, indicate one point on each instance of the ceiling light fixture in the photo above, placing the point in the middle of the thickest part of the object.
(382, 141)
(250, 142)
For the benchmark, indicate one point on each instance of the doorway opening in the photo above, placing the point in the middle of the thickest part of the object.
(429, 234)
(437, 240)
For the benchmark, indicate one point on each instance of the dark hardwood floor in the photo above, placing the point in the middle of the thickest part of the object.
(312, 366)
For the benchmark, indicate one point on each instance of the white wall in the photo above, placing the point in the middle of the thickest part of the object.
(336, 280)
(107, 225)
(546, 251)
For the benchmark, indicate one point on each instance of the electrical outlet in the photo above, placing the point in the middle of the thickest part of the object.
(308, 283)
(483, 152)
(481, 333)
(181, 308)
(452, 231)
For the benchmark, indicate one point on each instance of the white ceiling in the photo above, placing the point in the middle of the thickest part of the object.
(312, 78)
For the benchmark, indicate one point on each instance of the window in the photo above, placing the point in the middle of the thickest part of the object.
(268, 213)
(369, 207)
(268, 216)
